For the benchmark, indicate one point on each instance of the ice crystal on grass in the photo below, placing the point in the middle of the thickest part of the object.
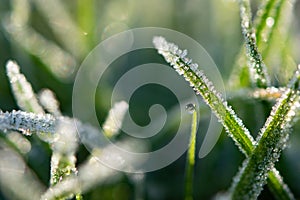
(48, 100)
(184, 66)
(22, 89)
(233, 125)
(64, 147)
(27, 123)
(257, 67)
(270, 142)
(114, 120)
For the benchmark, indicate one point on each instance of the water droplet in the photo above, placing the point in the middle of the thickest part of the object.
(190, 108)
(270, 21)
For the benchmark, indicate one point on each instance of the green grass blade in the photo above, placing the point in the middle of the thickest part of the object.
(257, 67)
(234, 127)
(270, 142)
(205, 88)
(240, 76)
(278, 188)
(190, 163)
(63, 26)
(265, 34)
(260, 22)
(22, 89)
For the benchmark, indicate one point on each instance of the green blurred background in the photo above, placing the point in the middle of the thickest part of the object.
(75, 27)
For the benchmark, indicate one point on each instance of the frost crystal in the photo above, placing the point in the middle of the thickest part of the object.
(27, 122)
(200, 83)
(48, 100)
(114, 120)
(257, 67)
(233, 125)
(270, 142)
(22, 89)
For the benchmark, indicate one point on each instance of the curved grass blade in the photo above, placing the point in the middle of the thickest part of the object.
(205, 88)
(190, 162)
(271, 141)
(233, 125)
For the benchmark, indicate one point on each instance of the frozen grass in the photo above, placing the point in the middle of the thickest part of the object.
(41, 115)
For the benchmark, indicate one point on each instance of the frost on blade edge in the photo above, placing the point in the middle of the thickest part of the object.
(22, 89)
(200, 83)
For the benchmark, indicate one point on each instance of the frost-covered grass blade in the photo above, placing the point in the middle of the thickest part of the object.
(233, 125)
(190, 162)
(265, 21)
(183, 65)
(270, 142)
(22, 89)
(257, 67)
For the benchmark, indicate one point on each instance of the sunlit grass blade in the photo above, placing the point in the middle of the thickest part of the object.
(86, 17)
(62, 24)
(190, 162)
(240, 76)
(205, 88)
(17, 181)
(113, 122)
(233, 125)
(48, 100)
(22, 89)
(275, 45)
(257, 67)
(57, 60)
(264, 19)
(63, 157)
(270, 142)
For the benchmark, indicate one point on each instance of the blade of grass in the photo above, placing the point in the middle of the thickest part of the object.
(271, 141)
(257, 67)
(205, 88)
(63, 157)
(260, 22)
(64, 27)
(22, 89)
(57, 60)
(17, 181)
(240, 76)
(190, 162)
(48, 100)
(86, 18)
(233, 125)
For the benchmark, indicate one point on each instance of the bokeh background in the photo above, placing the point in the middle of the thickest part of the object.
(50, 39)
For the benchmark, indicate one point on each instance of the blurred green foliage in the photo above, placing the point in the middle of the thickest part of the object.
(214, 24)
